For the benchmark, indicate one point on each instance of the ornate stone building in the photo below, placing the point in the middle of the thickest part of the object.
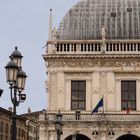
(94, 53)
(5, 126)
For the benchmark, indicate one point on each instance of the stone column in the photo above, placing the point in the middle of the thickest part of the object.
(42, 127)
(42, 132)
(103, 130)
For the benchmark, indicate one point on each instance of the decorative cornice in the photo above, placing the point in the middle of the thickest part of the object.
(96, 41)
(78, 71)
(127, 71)
(71, 56)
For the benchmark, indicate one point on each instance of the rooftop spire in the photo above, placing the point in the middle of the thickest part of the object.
(50, 25)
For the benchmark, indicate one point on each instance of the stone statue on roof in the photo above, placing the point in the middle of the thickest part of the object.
(103, 32)
(103, 43)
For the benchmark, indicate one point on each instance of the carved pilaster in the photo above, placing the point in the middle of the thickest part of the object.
(95, 88)
(137, 95)
(103, 85)
(60, 90)
(68, 94)
(88, 94)
(42, 132)
(118, 95)
(51, 135)
(110, 97)
(53, 84)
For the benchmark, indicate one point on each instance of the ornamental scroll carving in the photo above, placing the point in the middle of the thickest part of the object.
(82, 63)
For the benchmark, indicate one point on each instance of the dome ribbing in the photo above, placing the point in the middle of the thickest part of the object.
(84, 20)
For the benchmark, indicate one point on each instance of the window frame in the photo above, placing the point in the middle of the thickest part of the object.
(129, 93)
(78, 91)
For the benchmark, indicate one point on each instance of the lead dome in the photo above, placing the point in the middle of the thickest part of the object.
(84, 20)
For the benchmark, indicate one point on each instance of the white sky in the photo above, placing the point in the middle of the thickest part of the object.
(24, 23)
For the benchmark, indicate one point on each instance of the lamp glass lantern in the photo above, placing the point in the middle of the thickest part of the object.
(59, 116)
(17, 57)
(11, 71)
(21, 79)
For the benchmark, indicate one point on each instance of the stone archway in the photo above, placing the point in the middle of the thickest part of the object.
(128, 137)
(78, 137)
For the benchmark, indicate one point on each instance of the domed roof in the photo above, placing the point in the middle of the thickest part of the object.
(84, 20)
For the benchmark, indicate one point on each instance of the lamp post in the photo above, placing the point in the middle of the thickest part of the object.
(16, 78)
(58, 124)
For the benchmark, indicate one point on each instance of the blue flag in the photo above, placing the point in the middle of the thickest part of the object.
(100, 104)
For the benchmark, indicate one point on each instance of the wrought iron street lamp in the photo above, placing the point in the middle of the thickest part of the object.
(16, 78)
(58, 124)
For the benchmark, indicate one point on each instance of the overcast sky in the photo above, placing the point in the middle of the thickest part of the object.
(24, 23)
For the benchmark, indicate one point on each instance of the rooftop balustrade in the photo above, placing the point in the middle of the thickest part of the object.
(86, 117)
(97, 47)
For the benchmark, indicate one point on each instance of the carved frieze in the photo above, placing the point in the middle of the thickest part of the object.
(77, 125)
(77, 74)
(94, 62)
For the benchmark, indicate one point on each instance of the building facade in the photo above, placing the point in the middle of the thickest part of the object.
(5, 126)
(94, 54)
(32, 122)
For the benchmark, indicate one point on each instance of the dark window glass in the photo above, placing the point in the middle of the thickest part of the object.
(2, 126)
(113, 14)
(19, 132)
(128, 95)
(22, 133)
(6, 128)
(129, 9)
(78, 95)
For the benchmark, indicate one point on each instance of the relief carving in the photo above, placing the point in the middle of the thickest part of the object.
(60, 90)
(95, 62)
(48, 86)
(103, 83)
(53, 87)
(110, 90)
(76, 74)
(95, 90)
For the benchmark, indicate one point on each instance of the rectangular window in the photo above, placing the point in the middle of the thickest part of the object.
(128, 95)
(78, 95)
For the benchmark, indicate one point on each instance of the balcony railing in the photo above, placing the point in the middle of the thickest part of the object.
(95, 47)
(116, 117)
